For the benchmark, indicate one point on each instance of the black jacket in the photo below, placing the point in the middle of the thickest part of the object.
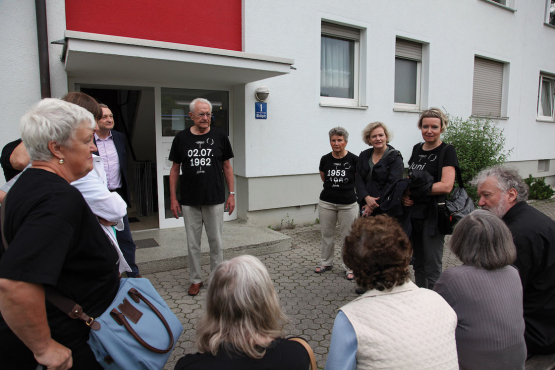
(375, 183)
(534, 237)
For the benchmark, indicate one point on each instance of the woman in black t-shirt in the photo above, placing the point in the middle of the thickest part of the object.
(338, 199)
(54, 240)
(427, 241)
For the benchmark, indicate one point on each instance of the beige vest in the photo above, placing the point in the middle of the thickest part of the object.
(404, 328)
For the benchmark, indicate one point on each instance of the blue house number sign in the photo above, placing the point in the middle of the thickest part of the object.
(260, 110)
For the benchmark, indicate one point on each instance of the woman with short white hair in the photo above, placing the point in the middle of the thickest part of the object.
(53, 239)
(486, 294)
(242, 327)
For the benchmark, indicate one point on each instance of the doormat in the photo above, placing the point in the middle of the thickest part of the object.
(133, 219)
(146, 243)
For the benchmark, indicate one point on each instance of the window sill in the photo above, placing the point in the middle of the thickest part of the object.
(343, 106)
(500, 5)
(498, 118)
(550, 120)
(407, 110)
(548, 25)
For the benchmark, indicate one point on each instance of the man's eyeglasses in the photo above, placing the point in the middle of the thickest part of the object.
(200, 115)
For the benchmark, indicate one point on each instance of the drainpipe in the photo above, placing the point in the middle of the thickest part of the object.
(42, 35)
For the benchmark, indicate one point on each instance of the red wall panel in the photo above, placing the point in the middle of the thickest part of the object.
(211, 23)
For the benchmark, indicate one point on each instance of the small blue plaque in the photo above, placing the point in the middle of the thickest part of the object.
(260, 110)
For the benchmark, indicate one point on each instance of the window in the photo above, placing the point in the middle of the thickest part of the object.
(502, 2)
(339, 65)
(543, 165)
(550, 12)
(545, 97)
(506, 4)
(408, 69)
(487, 92)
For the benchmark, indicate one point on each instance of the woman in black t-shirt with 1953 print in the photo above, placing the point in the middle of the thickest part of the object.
(338, 199)
(426, 239)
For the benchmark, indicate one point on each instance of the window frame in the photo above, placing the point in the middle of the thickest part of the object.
(547, 19)
(355, 102)
(540, 115)
(509, 4)
(406, 106)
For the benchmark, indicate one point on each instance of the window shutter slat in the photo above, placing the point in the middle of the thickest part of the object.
(487, 92)
(408, 49)
(335, 30)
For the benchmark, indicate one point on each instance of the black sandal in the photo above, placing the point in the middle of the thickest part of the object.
(322, 269)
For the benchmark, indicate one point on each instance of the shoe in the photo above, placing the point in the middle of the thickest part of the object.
(360, 291)
(194, 289)
(349, 275)
(322, 269)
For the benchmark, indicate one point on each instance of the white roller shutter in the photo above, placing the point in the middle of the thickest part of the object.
(487, 92)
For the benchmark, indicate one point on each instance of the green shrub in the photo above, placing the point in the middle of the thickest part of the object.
(479, 143)
(538, 188)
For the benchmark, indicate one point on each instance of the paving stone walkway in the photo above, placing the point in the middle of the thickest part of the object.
(310, 300)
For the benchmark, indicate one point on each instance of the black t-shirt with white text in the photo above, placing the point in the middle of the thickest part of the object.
(201, 158)
(339, 179)
(428, 160)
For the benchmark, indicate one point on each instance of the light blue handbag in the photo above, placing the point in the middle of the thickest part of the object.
(137, 331)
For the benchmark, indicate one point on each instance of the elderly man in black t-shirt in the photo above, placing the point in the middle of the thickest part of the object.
(503, 193)
(202, 153)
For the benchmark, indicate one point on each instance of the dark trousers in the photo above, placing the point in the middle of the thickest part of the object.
(428, 255)
(127, 246)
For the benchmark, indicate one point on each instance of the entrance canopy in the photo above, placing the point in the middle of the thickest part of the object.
(89, 55)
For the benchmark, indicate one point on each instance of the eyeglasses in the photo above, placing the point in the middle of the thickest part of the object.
(200, 115)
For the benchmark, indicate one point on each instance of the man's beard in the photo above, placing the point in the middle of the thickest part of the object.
(500, 209)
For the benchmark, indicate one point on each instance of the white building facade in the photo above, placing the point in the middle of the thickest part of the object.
(326, 64)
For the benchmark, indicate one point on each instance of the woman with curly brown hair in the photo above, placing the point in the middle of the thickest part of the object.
(394, 324)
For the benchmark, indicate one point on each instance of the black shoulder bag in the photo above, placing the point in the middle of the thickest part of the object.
(453, 207)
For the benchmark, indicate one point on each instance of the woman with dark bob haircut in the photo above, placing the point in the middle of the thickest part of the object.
(394, 324)
(242, 327)
(486, 294)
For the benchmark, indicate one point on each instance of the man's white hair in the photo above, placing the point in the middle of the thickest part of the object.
(52, 120)
(198, 100)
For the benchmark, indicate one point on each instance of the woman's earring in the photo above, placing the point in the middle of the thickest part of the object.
(61, 161)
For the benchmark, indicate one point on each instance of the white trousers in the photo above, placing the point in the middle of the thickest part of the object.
(329, 213)
(212, 216)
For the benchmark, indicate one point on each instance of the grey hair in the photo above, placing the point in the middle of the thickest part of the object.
(102, 105)
(198, 100)
(482, 239)
(507, 178)
(52, 120)
(339, 131)
(371, 127)
(242, 309)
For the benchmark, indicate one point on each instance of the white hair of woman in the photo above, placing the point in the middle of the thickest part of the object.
(52, 120)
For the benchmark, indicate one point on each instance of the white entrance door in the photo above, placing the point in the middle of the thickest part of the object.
(172, 112)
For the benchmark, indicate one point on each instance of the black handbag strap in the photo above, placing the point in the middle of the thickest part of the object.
(66, 305)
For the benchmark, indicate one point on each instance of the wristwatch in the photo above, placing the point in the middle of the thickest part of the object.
(231, 193)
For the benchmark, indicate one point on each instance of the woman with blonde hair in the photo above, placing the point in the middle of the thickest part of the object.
(243, 324)
(426, 239)
(377, 169)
